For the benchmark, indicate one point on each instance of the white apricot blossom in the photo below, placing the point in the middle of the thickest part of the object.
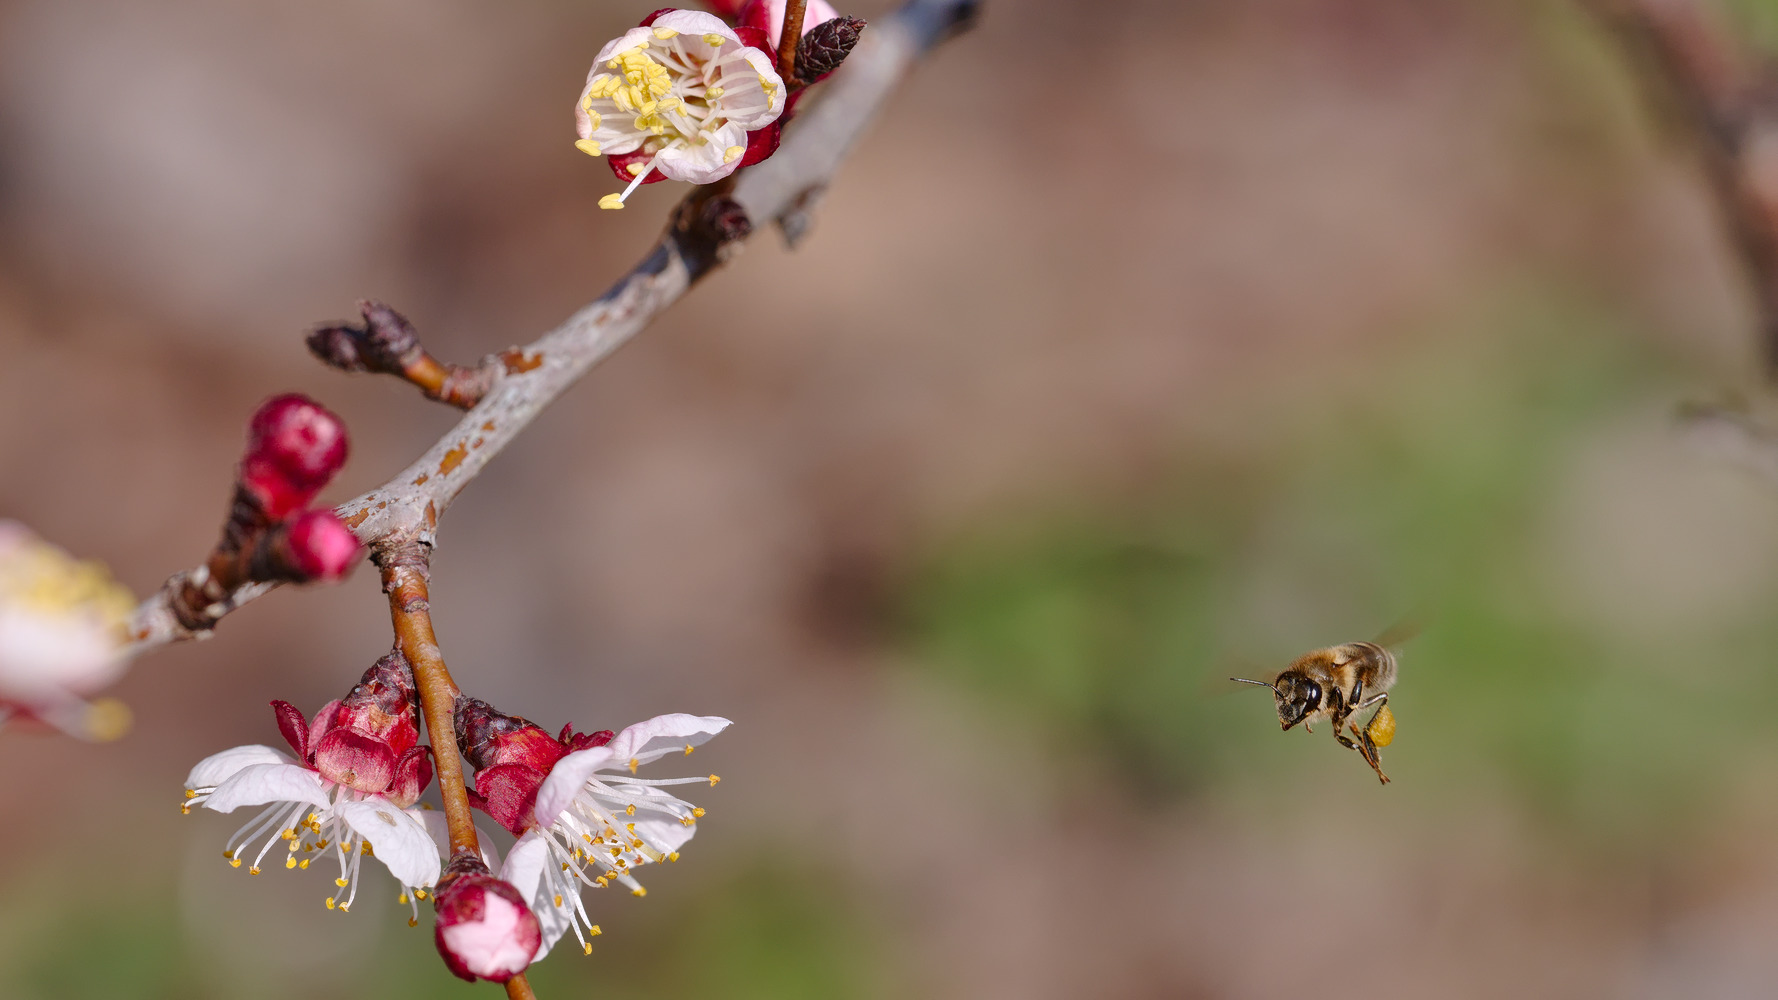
(315, 817)
(597, 822)
(684, 89)
(63, 635)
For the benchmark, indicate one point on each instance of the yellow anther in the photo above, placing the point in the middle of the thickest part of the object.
(320, 844)
(664, 33)
(673, 857)
(564, 866)
(234, 862)
(630, 810)
(587, 837)
(615, 851)
(729, 155)
(711, 94)
(191, 793)
(293, 845)
(304, 863)
(413, 921)
(594, 931)
(633, 763)
(253, 870)
(714, 40)
(586, 947)
(698, 812)
(419, 894)
(714, 778)
(185, 810)
(401, 898)
(330, 902)
(630, 827)
(341, 882)
(364, 848)
(588, 146)
(229, 855)
(345, 907)
(290, 861)
(638, 891)
(686, 821)
(635, 169)
(558, 899)
(601, 882)
(612, 201)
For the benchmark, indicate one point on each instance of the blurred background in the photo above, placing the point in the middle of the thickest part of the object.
(1321, 315)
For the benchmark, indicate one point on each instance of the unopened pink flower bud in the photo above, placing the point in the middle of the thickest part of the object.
(294, 446)
(321, 546)
(484, 928)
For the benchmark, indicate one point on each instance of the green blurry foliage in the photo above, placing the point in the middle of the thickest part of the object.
(1419, 489)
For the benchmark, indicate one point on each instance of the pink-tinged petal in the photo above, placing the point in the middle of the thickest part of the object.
(708, 162)
(398, 840)
(360, 762)
(524, 870)
(294, 727)
(413, 772)
(662, 735)
(659, 828)
(257, 784)
(439, 829)
(566, 780)
(484, 929)
(508, 793)
(219, 767)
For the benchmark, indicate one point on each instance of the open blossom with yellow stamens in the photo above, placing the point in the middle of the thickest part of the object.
(347, 792)
(63, 635)
(595, 822)
(685, 90)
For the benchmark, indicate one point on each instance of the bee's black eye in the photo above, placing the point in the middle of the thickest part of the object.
(1311, 692)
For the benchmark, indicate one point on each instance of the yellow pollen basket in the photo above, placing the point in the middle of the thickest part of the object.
(1382, 728)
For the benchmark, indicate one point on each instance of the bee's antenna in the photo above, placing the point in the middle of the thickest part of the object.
(1243, 680)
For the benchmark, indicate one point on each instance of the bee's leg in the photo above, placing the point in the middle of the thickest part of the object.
(1369, 749)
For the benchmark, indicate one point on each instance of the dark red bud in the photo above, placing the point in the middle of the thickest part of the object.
(321, 546)
(383, 704)
(822, 48)
(489, 737)
(294, 446)
(357, 760)
(413, 772)
(484, 929)
(294, 727)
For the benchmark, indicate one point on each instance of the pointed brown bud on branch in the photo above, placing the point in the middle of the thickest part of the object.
(826, 46)
(387, 344)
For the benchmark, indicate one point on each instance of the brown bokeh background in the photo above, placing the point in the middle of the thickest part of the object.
(1096, 265)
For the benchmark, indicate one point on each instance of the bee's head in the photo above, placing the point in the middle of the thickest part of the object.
(1297, 696)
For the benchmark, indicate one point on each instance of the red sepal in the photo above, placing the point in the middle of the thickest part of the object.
(413, 772)
(761, 143)
(620, 165)
(728, 10)
(648, 21)
(509, 795)
(757, 38)
(294, 727)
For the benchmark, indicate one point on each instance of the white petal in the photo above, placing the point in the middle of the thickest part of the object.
(623, 43)
(663, 734)
(46, 654)
(660, 829)
(398, 840)
(219, 767)
(695, 22)
(566, 780)
(704, 163)
(439, 829)
(257, 784)
(525, 865)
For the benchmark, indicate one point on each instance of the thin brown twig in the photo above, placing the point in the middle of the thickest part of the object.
(407, 507)
(794, 11)
(404, 580)
(517, 988)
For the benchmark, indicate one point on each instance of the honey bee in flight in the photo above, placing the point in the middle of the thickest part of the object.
(1334, 684)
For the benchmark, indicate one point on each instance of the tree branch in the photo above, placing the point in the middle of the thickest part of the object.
(1728, 96)
(704, 232)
